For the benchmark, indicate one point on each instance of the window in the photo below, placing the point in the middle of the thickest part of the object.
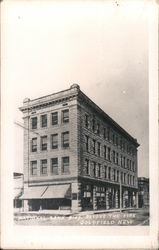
(121, 143)
(94, 169)
(114, 174)
(33, 168)
(128, 179)
(34, 145)
(87, 166)
(128, 163)
(43, 169)
(54, 166)
(133, 181)
(105, 150)
(98, 148)
(113, 139)
(99, 170)
(121, 161)
(86, 120)
(65, 165)
(104, 133)
(93, 124)
(133, 166)
(44, 121)
(98, 128)
(34, 122)
(124, 161)
(124, 146)
(86, 141)
(108, 134)
(121, 177)
(65, 139)
(113, 156)
(117, 140)
(109, 154)
(117, 179)
(94, 146)
(109, 173)
(117, 158)
(44, 143)
(124, 177)
(54, 118)
(105, 172)
(65, 116)
(54, 141)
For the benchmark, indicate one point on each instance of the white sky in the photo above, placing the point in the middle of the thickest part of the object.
(48, 45)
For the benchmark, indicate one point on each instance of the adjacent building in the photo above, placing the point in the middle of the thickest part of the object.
(18, 191)
(76, 156)
(143, 187)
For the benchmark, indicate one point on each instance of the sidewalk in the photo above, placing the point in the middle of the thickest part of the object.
(69, 212)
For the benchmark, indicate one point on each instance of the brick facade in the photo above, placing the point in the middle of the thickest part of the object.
(90, 152)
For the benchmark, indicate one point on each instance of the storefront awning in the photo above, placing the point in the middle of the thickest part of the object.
(47, 192)
(33, 193)
(57, 191)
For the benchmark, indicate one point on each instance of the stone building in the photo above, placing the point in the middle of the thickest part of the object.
(143, 187)
(75, 156)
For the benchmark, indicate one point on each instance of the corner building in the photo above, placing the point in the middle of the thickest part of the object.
(75, 156)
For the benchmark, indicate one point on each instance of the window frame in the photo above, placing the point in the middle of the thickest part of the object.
(63, 166)
(54, 124)
(33, 168)
(65, 119)
(32, 119)
(65, 141)
(54, 142)
(42, 144)
(56, 166)
(34, 146)
(43, 121)
(43, 167)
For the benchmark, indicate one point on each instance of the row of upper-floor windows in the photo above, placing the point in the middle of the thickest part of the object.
(54, 119)
(101, 171)
(108, 134)
(54, 166)
(54, 142)
(94, 147)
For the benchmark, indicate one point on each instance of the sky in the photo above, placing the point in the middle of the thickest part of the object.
(100, 45)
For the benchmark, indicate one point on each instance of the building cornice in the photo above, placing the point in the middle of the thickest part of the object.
(83, 98)
(67, 95)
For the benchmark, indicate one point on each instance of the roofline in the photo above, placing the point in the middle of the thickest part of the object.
(115, 124)
(98, 109)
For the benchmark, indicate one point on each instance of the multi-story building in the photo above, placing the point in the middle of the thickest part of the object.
(143, 187)
(75, 156)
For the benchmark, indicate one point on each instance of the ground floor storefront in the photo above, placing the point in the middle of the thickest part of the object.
(80, 195)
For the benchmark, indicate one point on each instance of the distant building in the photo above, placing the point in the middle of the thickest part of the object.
(18, 191)
(75, 156)
(143, 187)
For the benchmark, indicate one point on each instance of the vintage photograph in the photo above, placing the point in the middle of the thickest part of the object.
(77, 95)
(80, 165)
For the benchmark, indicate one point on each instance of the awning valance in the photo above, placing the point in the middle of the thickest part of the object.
(47, 192)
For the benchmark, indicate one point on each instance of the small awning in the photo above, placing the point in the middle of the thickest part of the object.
(33, 192)
(47, 192)
(57, 191)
